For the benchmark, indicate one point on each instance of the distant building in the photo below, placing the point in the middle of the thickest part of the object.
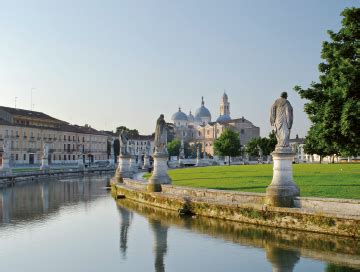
(27, 131)
(141, 144)
(199, 127)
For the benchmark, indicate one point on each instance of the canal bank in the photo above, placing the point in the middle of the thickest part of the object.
(320, 215)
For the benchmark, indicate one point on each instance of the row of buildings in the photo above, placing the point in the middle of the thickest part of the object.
(27, 131)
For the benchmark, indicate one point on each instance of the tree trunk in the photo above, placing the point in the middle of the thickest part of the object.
(229, 160)
(320, 159)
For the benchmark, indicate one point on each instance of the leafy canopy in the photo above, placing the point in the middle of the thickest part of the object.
(228, 144)
(334, 102)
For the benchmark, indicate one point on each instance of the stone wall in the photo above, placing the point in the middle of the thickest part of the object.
(339, 217)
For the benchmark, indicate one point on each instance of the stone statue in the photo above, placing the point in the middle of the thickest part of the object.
(281, 119)
(6, 148)
(160, 135)
(182, 150)
(45, 151)
(123, 139)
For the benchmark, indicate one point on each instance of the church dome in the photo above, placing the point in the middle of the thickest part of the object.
(191, 117)
(179, 116)
(223, 118)
(202, 112)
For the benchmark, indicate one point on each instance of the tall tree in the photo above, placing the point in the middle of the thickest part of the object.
(174, 147)
(130, 132)
(228, 144)
(116, 148)
(334, 102)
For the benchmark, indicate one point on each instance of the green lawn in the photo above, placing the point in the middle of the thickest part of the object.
(326, 180)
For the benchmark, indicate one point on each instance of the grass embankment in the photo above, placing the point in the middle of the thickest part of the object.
(326, 180)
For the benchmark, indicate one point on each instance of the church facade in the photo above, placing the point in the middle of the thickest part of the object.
(200, 128)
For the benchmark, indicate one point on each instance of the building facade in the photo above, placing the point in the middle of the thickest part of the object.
(200, 128)
(27, 131)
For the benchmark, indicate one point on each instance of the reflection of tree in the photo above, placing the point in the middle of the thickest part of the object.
(282, 260)
(126, 216)
(160, 243)
(335, 268)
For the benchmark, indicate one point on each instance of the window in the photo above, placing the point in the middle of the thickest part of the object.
(64, 147)
(73, 157)
(64, 157)
(24, 157)
(17, 157)
(64, 137)
(242, 131)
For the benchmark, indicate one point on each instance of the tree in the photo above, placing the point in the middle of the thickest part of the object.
(174, 147)
(253, 147)
(228, 144)
(116, 148)
(334, 102)
(266, 145)
(130, 132)
(108, 148)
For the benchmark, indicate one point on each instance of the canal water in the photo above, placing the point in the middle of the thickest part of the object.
(75, 225)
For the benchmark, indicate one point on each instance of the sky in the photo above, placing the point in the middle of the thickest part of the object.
(110, 63)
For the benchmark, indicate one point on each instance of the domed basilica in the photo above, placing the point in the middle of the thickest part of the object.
(200, 128)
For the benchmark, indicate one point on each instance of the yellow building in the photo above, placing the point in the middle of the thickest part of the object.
(27, 132)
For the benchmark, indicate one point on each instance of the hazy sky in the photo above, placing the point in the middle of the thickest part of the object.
(111, 63)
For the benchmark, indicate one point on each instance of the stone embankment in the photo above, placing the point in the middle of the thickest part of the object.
(320, 215)
(9, 180)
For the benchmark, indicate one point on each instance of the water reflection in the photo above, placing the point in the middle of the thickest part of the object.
(38, 200)
(160, 243)
(126, 218)
(283, 248)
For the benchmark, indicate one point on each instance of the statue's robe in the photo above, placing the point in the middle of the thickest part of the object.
(282, 119)
(160, 136)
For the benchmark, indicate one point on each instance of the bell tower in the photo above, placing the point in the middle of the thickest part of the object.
(224, 105)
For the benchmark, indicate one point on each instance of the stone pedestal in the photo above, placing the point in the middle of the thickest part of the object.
(81, 166)
(133, 165)
(146, 162)
(123, 170)
(45, 165)
(160, 175)
(282, 190)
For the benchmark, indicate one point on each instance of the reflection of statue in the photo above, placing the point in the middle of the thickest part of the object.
(125, 225)
(123, 139)
(282, 119)
(160, 135)
(160, 243)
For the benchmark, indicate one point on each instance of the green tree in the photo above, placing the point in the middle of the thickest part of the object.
(116, 148)
(130, 132)
(228, 144)
(174, 147)
(253, 147)
(334, 102)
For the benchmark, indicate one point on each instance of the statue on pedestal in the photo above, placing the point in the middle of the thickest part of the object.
(161, 136)
(281, 119)
(282, 191)
(123, 139)
(161, 157)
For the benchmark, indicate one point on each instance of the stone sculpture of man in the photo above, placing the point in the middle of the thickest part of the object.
(160, 135)
(123, 139)
(6, 148)
(45, 151)
(281, 119)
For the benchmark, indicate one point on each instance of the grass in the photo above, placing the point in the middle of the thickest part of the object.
(325, 180)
